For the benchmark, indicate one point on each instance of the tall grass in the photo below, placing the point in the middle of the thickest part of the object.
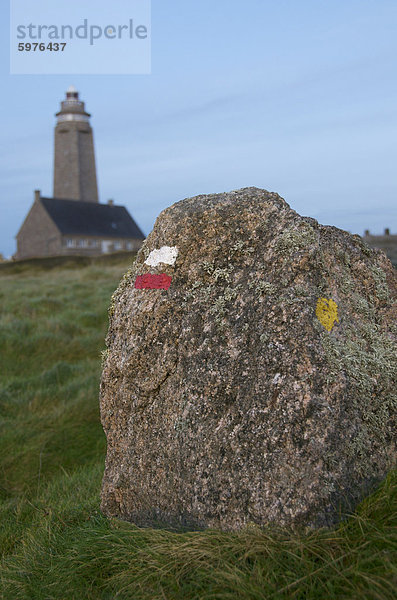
(54, 542)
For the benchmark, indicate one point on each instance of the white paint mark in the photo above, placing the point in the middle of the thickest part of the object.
(166, 255)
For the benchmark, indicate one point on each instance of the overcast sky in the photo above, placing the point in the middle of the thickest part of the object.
(297, 97)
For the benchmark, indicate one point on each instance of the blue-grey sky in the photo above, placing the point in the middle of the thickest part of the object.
(294, 97)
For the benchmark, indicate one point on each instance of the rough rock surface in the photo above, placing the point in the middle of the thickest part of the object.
(250, 375)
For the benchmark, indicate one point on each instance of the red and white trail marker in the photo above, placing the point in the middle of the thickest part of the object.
(150, 281)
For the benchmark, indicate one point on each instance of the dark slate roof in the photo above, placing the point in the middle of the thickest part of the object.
(91, 218)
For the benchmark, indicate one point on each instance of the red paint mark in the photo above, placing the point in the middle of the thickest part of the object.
(153, 282)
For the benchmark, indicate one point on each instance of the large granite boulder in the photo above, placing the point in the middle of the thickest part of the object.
(250, 371)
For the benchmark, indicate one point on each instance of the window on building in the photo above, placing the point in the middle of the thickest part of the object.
(129, 245)
(117, 245)
(82, 243)
(70, 243)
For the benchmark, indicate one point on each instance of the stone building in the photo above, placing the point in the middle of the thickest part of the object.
(73, 221)
(386, 242)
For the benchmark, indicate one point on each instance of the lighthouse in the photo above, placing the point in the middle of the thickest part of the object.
(73, 221)
(74, 157)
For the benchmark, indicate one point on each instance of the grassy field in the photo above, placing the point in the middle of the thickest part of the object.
(55, 544)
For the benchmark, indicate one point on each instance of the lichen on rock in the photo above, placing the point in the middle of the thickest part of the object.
(259, 387)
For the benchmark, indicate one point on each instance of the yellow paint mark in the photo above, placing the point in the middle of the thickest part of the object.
(327, 312)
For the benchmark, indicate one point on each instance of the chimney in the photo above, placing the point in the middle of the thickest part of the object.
(111, 202)
(36, 195)
(366, 232)
(387, 231)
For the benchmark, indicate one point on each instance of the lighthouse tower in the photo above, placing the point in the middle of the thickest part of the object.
(74, 158)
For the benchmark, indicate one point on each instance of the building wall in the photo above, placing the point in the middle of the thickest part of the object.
(38, 235)
(74, 162)
(96, 245)
(387, 243)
